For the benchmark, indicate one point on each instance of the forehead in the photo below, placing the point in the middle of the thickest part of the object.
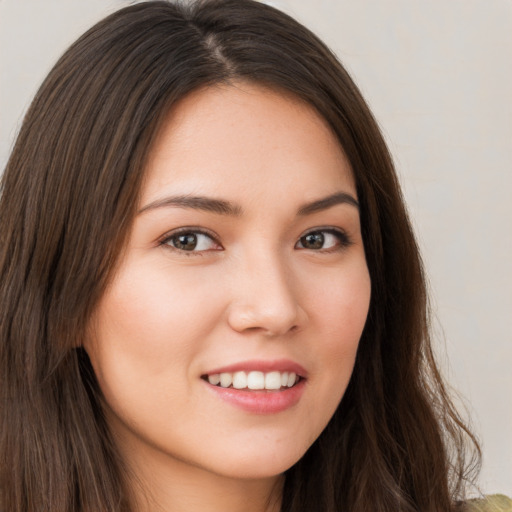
(242, 139)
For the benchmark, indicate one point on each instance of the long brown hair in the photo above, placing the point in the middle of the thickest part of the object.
(67, 201)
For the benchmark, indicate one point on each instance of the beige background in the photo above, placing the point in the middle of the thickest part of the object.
(438, 76)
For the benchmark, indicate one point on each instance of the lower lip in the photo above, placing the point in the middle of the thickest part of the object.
(261, 402)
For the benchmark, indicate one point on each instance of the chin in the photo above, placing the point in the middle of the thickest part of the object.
(258, 464)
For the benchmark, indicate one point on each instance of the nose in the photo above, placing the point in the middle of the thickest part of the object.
(265, 299)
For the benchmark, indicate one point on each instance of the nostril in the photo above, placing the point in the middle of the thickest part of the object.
(267, 319)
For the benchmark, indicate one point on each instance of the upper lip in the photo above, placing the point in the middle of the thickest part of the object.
(279, 365)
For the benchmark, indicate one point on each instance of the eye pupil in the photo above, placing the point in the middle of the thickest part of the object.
(313, 241)
(185, 241)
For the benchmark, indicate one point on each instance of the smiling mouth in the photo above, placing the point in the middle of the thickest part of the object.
(254, 380)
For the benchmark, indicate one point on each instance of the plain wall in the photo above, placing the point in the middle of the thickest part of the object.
(438, 77)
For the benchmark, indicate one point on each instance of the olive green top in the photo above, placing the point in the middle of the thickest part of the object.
(494, 503)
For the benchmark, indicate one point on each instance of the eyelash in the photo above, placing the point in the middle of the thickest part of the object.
(343, 239)
(169, 237)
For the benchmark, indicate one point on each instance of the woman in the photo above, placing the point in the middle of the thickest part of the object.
(211, 293)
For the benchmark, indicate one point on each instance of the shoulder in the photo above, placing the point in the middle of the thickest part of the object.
(494, 503)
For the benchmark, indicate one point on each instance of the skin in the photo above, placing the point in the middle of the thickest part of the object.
(251, 289)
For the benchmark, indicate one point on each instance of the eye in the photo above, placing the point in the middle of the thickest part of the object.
(324, 240)
(190, 240)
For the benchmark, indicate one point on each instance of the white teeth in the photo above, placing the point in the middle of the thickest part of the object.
(254, 380)
(239, 380)
(214, 379)
(273, 380)
(226, 379)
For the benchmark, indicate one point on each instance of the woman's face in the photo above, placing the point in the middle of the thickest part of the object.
(245, 269)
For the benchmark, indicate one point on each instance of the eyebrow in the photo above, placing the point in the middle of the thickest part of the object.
(328, 202)
(223, 207)
(206, 204)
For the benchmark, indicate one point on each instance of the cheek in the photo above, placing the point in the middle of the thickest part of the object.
(340, 305)
(340, 314)
(146, 333)
(151, 313)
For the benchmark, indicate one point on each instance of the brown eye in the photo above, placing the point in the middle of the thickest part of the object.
(191, 241)
(324, 240)
(185, 242)
(313, 240)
